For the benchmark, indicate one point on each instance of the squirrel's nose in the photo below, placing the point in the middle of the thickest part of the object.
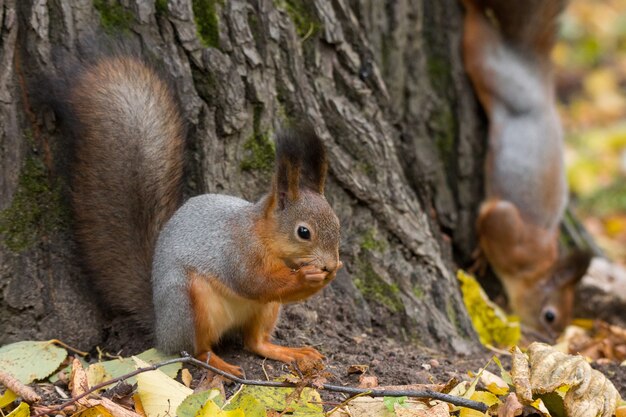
(333, 265)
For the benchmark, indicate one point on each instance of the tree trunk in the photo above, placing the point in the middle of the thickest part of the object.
(383, 84)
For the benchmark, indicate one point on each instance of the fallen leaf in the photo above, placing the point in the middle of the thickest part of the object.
(439, 410)
(490, 322)
(160, 395)
(114, 409)
(96, 374)
(122, 366)
(193, 403)
(588, 392)
(520, 373)
(480, 396)
(95, 411)
(279, 399)
(375, 407)
(357, 369)
(29, 361)
(210, 409)
(79, 384)
(494, 383)
(511, 407)
(186, 377)
(368, 381)
(22, 410)
(7, 398)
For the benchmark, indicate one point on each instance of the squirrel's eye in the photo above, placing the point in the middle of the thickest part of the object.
(304, 233)
(549, 316)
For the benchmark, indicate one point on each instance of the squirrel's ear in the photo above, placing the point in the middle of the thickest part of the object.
(300, 160)
(571, 269)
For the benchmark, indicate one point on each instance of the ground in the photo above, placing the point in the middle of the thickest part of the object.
(344, 342)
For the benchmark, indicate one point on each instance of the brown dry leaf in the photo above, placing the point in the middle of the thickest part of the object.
(186, 377)
(511, 407)
(115, 409)
(375, 407)
(590, 393)
(520, 372)
(439, 410)
(358, 369)
(368, 381)
(79, 383)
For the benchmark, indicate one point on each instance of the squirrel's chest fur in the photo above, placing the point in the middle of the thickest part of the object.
(217, 309)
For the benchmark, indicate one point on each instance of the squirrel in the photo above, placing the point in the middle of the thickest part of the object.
(506, 51)
(217, 263)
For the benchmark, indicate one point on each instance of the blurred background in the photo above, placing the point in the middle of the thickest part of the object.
(590, 60)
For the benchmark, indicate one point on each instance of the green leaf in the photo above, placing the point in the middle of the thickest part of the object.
(193, 403)
(29, 361)
(119, 367)
(308, 404)
(504, 374)
(251, 406)
(390, 402)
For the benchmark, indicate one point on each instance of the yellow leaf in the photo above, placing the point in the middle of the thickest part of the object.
(97, 411)
(494, 383)
(7, 398)
(160, 395)
(96, 373)
(23, 410)
(539, 405)
(490, 322)
(210, 409)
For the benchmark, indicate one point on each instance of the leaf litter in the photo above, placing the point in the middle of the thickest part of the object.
(539, 382)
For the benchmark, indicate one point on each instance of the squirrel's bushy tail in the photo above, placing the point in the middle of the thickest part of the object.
(126, 175)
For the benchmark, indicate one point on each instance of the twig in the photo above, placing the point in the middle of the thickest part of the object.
(27, 393)
(68, 347)
(344, 402)
(458, 401)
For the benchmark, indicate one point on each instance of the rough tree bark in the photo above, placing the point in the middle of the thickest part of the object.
(381, 81)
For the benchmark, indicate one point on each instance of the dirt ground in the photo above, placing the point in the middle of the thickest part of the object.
(330, 329)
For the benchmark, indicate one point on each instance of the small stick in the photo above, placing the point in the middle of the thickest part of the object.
(27, 393)
(68, 347)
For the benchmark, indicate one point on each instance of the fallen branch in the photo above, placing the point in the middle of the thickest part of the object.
(27, 393)
(426, 394)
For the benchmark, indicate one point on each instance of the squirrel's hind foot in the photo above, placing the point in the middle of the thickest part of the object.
(220, 363)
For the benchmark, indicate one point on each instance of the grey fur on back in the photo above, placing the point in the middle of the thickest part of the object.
(200, 234)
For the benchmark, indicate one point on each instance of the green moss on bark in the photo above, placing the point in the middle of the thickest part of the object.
(114, 17)
(207, 21)
(36, 210)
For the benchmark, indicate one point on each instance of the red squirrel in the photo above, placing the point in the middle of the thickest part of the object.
(215, 264)
(506, 49)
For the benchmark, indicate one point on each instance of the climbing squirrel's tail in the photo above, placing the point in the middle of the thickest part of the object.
(126, 176)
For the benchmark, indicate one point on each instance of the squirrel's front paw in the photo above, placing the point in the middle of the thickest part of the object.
(313, 274)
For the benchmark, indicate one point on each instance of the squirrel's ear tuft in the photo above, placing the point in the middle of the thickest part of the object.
(300, 161)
